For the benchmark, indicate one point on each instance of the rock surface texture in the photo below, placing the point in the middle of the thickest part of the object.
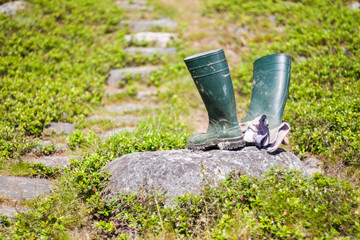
(59, 128)
(10, 212)
(52, 161)
(145, 25)
(161, 39)
(134, 6)
(10, 8)
(150, 50)
(21, 188)
(184, 171)
(118, 75)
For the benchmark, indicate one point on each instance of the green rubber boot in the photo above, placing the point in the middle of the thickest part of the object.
(211, 75)
(270, 88)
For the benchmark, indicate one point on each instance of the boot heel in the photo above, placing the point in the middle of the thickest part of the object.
(231, 144)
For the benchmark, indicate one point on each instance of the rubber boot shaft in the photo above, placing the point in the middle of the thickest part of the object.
(211, 75)
(270, 88)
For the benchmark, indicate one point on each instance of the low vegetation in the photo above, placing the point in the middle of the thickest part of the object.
(55, 56)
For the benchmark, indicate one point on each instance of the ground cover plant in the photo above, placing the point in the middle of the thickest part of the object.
(55, 57)
(69, 75)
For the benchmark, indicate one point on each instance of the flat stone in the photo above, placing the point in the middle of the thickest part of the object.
(116, 131)
(10, 8)
(126, 108)
(150, 51)
(141, 26)
(10, 212)
(134, 6)
(59, 128)
(118, 75)
(52, 161)
(354, 5)
(116, 119)
(22, 188)
(58, 147)
(184, 171)
(139, 94)
(161, 39)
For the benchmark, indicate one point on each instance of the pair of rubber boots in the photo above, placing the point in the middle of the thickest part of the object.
(210, 72)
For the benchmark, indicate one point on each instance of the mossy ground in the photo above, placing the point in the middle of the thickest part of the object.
(55, 56)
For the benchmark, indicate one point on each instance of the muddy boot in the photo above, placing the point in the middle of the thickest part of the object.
(270, 88)
(212, 78)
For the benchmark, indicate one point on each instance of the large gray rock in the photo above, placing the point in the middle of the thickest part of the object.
(151, 50)
(10, 8)
(117, 76)
(184, 171)
(59, 128)
(141, 26)
(161, 39)
(21, 188)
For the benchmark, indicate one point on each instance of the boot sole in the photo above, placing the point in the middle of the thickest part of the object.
(222, 144)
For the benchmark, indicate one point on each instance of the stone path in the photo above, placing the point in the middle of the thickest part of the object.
(150, 51)
(21, 188)
(52, 161)
(123, 115)
(118, 76)
(161, 39)
(136, 5)
(140, 26)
